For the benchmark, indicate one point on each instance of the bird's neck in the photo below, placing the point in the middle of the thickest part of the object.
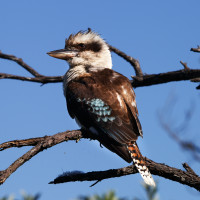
(73, 73)
(79, 70)
(83, 68)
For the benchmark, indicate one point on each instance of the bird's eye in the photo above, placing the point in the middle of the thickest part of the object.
(81, 45)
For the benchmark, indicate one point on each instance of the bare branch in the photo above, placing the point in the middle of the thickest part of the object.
(195, 80)
(19, 162)
(94, 183)
(95, 175)
(41, 79)
(39, 145)
(186, 68)
(37, 76)
(189, 169)
(190, 146)
(186, 145)
(139, 80)
(185, 177)
(196, 49)
(20, 62)
(146, 80)
(135, 63)
(154, 79)
(21, 143)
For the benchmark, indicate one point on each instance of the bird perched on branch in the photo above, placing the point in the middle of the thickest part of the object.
(101, 100)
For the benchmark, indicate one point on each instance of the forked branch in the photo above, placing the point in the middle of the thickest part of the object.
(20, 62)
(39, 78)
(187, 177)
(39, 144)
(140, 80)
(135, 63)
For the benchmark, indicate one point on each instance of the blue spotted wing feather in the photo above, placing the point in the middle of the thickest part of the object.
(99, 106)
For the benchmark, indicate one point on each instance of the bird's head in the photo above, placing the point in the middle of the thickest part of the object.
(85, 48)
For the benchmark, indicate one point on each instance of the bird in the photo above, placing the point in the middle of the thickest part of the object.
(101, 100)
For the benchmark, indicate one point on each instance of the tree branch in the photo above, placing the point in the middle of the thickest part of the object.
(39, 79)
(186, 68)
(146, 80)
(189, 169)
(139, 80)
(20, 62)
(185, 144)
(39, 145)
(196, 49)
(154, 79)
(135, 63)
(185, 177)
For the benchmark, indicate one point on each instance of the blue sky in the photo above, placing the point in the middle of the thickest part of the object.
(157, 33)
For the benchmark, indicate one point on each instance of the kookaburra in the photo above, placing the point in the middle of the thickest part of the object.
(101, 100)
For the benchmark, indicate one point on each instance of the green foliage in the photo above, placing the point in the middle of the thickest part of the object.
(30, 197)
(107, 196)
(11, 197)
(24, 197)
(151, 192)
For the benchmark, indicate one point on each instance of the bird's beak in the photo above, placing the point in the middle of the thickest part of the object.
(63, 54)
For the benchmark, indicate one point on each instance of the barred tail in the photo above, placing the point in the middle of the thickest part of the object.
(140, 164)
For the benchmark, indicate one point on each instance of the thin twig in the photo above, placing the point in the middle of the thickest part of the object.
(195, 80)
(189, 169)
(186, 68)
(41, 79)
(196, 49)
(190, 146)
(135, 63)
(21, 63)
(95, 183)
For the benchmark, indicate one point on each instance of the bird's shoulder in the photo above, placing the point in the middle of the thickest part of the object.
(101, 78)
(111, 87)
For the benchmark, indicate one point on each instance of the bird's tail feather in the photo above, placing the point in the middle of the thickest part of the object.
(140, 164)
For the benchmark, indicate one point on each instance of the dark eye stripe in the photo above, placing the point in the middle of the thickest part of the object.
(81, 45)
(93, 46)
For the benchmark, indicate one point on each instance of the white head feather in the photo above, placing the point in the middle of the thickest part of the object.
(97, 55)
(94, 55)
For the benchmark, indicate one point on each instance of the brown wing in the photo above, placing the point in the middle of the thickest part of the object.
(98, 105)
(124, 88)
